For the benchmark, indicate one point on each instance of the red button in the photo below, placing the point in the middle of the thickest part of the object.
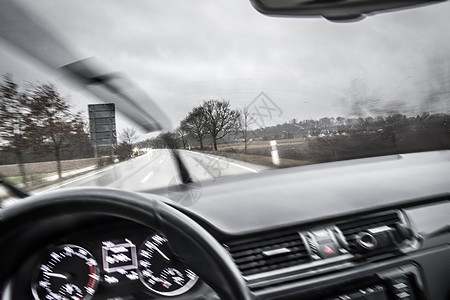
(328, 250)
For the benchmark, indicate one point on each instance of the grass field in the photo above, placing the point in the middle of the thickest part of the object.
(46, 167)
(259, 159)
(303, 151)
(259, 152)
(44, 173)
(259, 144)
(32, 177)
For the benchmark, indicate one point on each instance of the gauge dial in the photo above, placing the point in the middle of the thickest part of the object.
(161, 271)
(68, 272)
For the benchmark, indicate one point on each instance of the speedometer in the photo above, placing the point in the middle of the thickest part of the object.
(69, 272)
(161, 271)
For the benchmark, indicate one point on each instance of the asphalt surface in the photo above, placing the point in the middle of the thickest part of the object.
(157, 169)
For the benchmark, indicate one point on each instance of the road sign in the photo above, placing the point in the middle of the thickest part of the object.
(102, 124)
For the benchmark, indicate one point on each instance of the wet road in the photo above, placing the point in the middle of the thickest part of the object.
(157, 169)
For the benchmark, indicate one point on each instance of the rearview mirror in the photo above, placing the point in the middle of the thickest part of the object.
(333, 10)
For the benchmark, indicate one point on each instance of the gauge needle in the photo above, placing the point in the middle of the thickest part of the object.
(58, 275)
(162, 254)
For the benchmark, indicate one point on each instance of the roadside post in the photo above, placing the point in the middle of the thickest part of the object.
(274, 152)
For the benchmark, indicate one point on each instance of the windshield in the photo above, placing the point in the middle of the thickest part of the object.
(242, 92)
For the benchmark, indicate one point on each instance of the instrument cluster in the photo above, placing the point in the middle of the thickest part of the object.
(110, 260)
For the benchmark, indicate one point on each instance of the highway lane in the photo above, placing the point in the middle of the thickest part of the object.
(156, 169)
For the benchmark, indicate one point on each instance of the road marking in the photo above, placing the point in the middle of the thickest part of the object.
(147, 177)
(160, 162)
(75, 180)
(231, 163)
(243, 167)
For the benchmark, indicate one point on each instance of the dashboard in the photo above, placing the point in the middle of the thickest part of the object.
(388, 254)
(379, 230)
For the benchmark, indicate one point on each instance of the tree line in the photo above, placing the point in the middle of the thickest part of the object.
(37, 119)
(213, 120)
(216, 122)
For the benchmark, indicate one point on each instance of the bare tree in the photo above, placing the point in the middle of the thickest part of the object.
(156, 142)
(169, 139)
(165, 140)
(52, 123)
(183, 135)
(81, 145)
(128, 135)
(14, 133)
(195, 124)
(245, 121)
(127, 140)
(220, 119)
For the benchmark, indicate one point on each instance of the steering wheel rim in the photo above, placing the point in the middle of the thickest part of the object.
(201, 251)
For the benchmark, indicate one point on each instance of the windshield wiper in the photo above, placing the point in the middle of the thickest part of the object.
(182, 170)
(10, 187)
(32, 37)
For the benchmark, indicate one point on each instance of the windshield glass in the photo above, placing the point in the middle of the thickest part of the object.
(243, 92)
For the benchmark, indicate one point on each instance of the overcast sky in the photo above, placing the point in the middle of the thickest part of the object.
(182, 52)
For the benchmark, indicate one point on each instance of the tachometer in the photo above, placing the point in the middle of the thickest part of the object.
(161, 271)
(68, 272)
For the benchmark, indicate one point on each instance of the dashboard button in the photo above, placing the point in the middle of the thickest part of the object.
(327, 250)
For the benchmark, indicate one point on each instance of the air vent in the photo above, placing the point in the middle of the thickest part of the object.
(267, 253)
(386, 220)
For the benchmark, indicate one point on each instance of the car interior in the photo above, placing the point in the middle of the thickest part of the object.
(367, 228)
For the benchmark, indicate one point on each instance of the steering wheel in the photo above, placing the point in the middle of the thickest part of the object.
(191, 242)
